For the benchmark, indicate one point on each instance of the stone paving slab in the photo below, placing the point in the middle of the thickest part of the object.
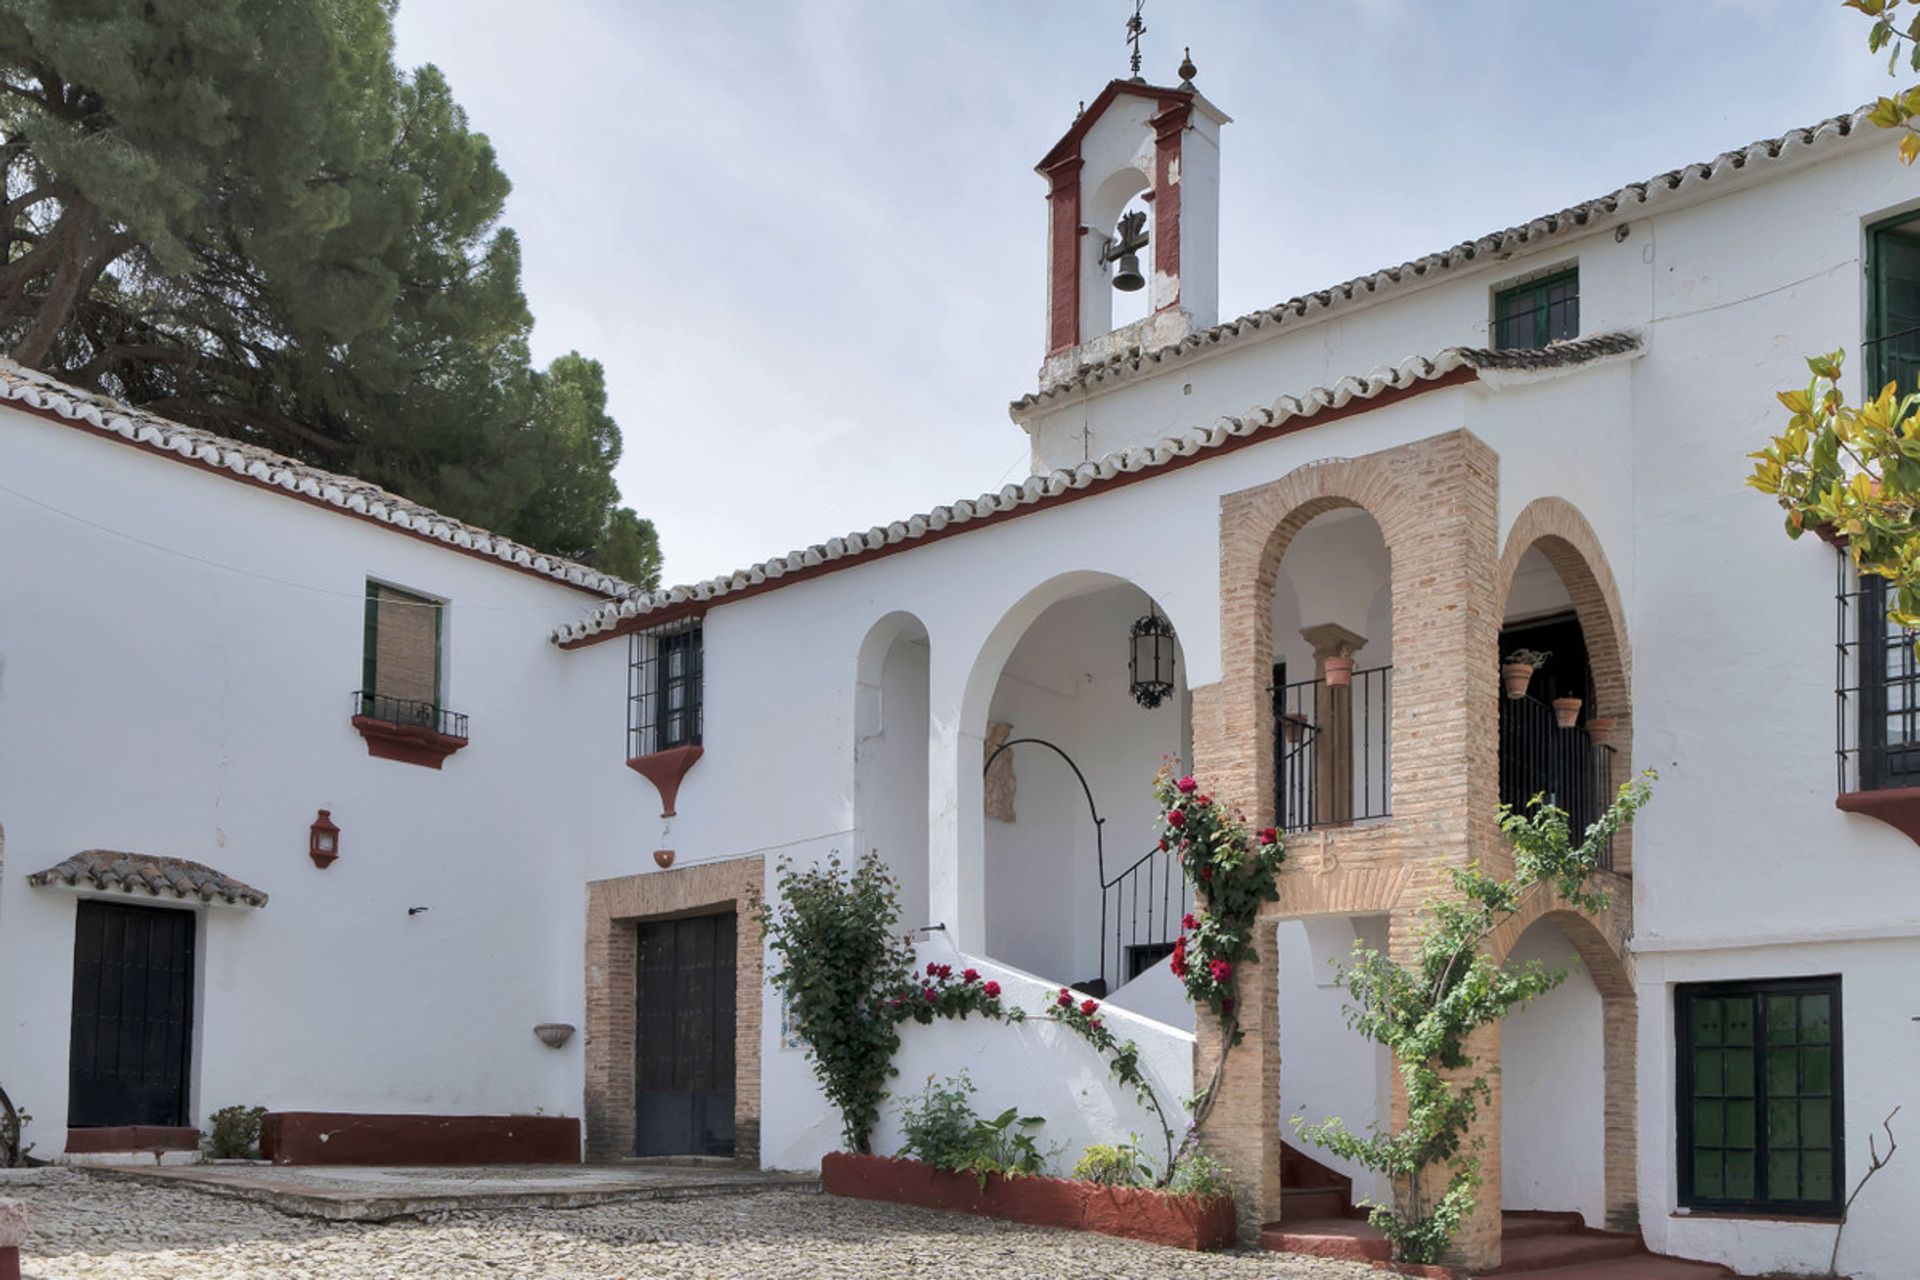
(382, 1193)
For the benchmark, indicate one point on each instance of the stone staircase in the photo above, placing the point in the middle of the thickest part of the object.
(1317, 1217)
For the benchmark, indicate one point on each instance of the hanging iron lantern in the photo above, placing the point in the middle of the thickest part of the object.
(1150, 662)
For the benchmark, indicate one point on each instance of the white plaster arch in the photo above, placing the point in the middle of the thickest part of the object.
(892, 747)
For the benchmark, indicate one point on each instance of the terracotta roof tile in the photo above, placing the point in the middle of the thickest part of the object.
(146, 873)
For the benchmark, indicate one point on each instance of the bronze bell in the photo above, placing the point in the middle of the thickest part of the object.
(1127, 277)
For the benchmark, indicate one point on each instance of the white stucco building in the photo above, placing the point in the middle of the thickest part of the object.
(1535, 439)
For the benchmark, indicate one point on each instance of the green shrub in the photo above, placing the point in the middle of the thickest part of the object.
(1004, 1145)
(1117, 1164)
(235, 1133)
(1199, 1174)
(939, 1127)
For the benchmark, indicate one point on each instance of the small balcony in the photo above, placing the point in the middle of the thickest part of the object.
(408, 730)
(1331, 763)
(1876, 705)
(1563, 765)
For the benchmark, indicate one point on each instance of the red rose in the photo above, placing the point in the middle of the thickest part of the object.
(1203, 800)
(1163, 844)
(992, 989)
(1226, 1006)
(1269, 836)
(1186, 921)
(1220, 970)
(971, 975)
(1179, 962)
(1187, 786)
(1206, 873)
(932, 969)
(1066, 1000)
(1175, 818)
(931, 995)
(1095, 1024)
(1089, 1007)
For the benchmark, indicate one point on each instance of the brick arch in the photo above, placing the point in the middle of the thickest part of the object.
(1573, 549)
(1599, 940)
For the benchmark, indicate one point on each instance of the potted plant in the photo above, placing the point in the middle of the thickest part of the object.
(1566, 712)
(1600, 730)
(1517, 668)
(1338, 672)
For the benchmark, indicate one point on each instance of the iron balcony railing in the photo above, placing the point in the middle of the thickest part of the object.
(1332, 766)
(1141, 910)
(1876, 688)
(1565, 767)
(411, 712)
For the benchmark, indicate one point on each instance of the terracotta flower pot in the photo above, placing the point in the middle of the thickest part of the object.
(1517, 676)
(1600, 730)
(1566, 712)
(1339, 672)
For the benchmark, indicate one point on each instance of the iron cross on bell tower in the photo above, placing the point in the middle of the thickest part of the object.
(1136, 27)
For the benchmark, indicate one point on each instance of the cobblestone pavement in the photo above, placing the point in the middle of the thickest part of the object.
(96, 1227)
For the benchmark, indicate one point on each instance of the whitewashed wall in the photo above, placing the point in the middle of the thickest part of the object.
(179, 652)
(1553, 1089)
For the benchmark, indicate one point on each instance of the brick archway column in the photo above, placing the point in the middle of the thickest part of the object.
(1437, 504)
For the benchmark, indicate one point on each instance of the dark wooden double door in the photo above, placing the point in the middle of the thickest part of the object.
(132, 1015)
(684, 1034)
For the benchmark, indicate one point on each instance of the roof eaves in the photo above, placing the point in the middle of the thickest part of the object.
(1288, 413)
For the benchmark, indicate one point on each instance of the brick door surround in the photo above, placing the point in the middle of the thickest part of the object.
(1436, 502)
(615, 909)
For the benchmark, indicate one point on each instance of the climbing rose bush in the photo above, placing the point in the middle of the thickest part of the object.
(1233, 870)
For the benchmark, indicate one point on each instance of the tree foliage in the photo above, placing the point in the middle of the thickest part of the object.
(240, 214)
(1424, 1012)
(1896, 28)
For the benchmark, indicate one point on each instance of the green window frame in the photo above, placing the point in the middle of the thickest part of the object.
(370, 644)
(1529, 315)
(1761, 1115)
(1891, 349)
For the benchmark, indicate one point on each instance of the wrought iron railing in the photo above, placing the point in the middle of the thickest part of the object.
(1140, 914)
(1332, 766)
(1565, 767)
(1876, 688)
(411, 712)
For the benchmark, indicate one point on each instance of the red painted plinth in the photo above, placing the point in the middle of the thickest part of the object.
(1185, 1222)
(10, 1263)
(330, 1137)
(131, 1137)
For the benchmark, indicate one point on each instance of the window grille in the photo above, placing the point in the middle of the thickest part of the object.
(1877, 688)
(1537, 312)
(664, 688)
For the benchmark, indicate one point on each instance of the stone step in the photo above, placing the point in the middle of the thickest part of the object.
(1563, 1249)
(1525, 1223)
(1354, 1239)
(1312, 1202)
(1641, 1266)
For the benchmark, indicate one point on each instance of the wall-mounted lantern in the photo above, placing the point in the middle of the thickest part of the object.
(323, 840)
(1150, 662)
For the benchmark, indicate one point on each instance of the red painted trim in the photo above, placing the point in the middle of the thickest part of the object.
(95, 433)
(1169, 127)
(10, 1263)
(408, 743)
(1898, 807)
(327, 1137)
(132, 1137)
(1063, 254)
(1069, 143)
(1232, 444)
(665, 770)
(1132, 1213)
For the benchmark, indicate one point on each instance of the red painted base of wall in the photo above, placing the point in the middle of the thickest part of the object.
(1129, 1212)
(131, 1137)
(9, 1263)
(330, 1137)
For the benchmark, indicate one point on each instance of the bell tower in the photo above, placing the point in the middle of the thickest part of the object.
(1162, 145)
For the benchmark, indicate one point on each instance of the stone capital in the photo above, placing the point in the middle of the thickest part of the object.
(1331, 640)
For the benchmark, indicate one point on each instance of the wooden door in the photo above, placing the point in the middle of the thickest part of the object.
(684, 1033)
(132, 1015)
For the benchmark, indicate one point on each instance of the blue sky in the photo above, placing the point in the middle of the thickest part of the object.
(807, 241)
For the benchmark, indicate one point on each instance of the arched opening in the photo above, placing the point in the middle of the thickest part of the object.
(1332, 673)
(1074, 889)
(890, 755)
(1554, 1087)
(1563, 714)
(1103, 308)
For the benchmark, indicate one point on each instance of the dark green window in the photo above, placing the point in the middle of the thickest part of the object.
(1540, 311)
(1760, 1107)
(400, 660)
(1893, 311)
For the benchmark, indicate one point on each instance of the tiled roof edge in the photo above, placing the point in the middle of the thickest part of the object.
(1138, 361)
(50, 397)
(111, 871)
(629, 614)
